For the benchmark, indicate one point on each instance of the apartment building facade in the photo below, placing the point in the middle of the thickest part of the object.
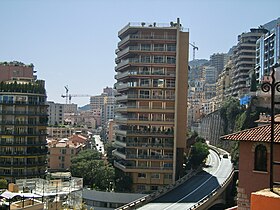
(267, 53)
(60, 154)
(218, 60)
(23, 125)
(56, 113)
(106, 103)
(151, 113)
(244, 58)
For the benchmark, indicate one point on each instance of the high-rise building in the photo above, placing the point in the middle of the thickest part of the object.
(106, 102)
(56, 113)
(218, 60)
(244, 57)
(267, 52)
(23, 119)
(210, 74)
(152, 72)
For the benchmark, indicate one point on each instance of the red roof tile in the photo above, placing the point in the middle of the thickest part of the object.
(261, 133)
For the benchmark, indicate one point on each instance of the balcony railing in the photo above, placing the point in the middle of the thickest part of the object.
(29, 174)
(124, 118)
(153, 157)
(142, 144)
(122, 165)
(23, 103)
(22, 143)
(7, 163)
(23, 133)
(135, 96)
(147, 61)
(26, 123)
(8, 112)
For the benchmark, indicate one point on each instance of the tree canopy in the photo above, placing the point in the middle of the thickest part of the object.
(95, 172)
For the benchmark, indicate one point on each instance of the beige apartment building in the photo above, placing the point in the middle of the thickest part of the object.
(60, 153)
(151, 113)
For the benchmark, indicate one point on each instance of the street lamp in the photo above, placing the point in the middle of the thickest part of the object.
(273, 87)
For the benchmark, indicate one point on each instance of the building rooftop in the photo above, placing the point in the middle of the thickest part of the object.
(257, 134)
(15, 63)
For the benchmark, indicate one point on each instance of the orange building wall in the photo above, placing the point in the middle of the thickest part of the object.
(264, 200)
(250, 180)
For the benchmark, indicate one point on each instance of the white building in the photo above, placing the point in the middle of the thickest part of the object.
(56, 113)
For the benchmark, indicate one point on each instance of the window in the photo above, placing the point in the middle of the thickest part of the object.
(154, 188)
(145, 59)
(144, 94)
(158, 83)
(145, 47)
(141, 187)
(171, 59)
(141, 175)
(171, 47)
(260, 158)
(155, 176)
(158, 47)
(159, 59)
(63, 151)
(144, 82)
(167, 176)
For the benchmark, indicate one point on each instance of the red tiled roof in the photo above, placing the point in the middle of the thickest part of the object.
(261, 133)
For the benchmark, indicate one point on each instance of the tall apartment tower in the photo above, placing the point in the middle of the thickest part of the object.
(106, 102)
(151, 112)
(55, 113)
(219, 60)
(267, 52)
(23, 123)
(244, 58)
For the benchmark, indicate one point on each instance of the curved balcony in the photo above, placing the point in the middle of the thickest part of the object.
(28, 113)
(145, 109)
(22, 143)
(23, 175)
(18, 154)
(137, 62)
(143, 97)
(22, 164)
(130, 168)
(23, 103)
(145, 121)
(22, 123)
(14, 133)
(149, 157)
(135, 37)
(167, 133)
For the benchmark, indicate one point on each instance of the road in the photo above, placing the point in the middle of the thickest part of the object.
(99, 144)
(196, 188)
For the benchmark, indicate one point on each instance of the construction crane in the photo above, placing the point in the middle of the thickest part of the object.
(194, 48)
(69, 96)
(67, 93)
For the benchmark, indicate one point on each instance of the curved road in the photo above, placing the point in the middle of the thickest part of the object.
(197, 187)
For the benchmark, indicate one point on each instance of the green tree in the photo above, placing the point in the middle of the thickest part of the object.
(229, 111)
(253, 87)
(86, 155)
(199, 152)
(3, 184)
(94, 171)
(123, 181)
(109, 150)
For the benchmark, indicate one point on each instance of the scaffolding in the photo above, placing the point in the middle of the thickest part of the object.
(66, 193)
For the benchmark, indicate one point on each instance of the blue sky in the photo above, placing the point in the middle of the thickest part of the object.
(73, 42)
